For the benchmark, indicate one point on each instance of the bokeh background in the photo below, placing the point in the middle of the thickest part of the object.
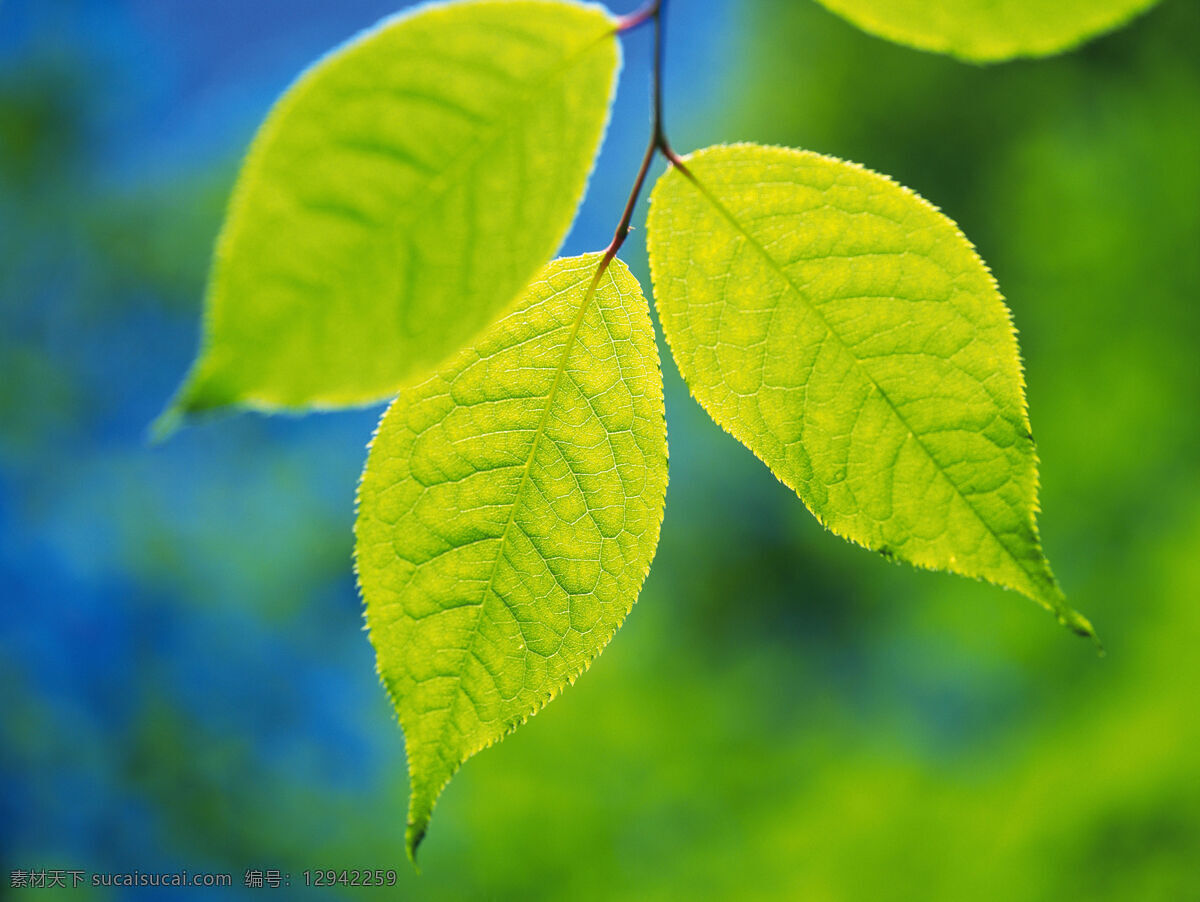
(185, 679)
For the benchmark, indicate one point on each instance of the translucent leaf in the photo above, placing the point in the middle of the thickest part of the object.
(508, 514)
(400, 195)
(989, 30)
(847, 333)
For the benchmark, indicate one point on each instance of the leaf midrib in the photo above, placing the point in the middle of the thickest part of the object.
(539, 433)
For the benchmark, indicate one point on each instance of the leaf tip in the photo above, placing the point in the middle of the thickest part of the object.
(1080, 626)
(176, 414)
(414, 835)
(423, 796)
(165, 425)
(201, 393)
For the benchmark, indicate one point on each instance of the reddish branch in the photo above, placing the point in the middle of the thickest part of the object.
(651, 11)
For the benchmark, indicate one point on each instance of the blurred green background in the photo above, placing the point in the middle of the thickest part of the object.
(186, 683)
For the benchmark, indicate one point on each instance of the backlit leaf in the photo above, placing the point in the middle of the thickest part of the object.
(399, 196)
(989, 30)
(847, 333)
(508, 514)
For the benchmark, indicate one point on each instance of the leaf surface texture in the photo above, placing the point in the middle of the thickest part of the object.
(398, 197)
(847, 333)
(989, 30)
(508, 514)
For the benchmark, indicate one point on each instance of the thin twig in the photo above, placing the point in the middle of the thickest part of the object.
(652, 11)
(643, 13)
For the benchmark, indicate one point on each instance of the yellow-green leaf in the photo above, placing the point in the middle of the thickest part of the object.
(398, 197)
(508, 514)
(989, 30)
(847, 333)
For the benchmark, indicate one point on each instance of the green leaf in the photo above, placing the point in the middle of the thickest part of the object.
(398, 197)
(847, 333)
(508, 514)
(989, 30)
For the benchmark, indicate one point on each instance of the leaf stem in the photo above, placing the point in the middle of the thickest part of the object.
(651, 11)
(641, 15)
